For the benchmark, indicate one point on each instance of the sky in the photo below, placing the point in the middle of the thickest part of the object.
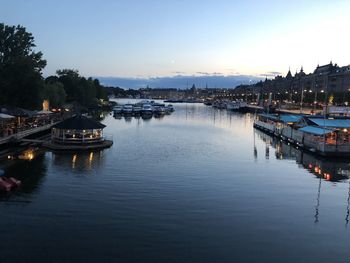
(161, 38)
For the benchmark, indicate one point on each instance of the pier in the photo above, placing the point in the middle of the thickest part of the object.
(17, 137)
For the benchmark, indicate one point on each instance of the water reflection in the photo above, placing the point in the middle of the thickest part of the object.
(329, 169)
(348, 207)
(81, 161)
(30, 172)
(325, 169)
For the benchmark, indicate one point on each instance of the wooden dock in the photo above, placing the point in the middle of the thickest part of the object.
(81, 147)
(17, 137)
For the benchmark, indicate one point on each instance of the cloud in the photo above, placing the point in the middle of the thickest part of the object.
(215, 80)
(271, 74)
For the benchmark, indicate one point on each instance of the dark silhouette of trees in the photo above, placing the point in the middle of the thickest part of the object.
(20, 68)
(55, 93)
(21, 81)
(87, 92)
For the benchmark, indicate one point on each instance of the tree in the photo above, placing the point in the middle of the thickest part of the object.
(55, 93)
(79, 89)
(20, 68)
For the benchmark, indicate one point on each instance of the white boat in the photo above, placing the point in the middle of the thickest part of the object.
(237, 106)
(136, 109)
(169, 108)
(127, 109)
(159, 108)
(147, 109)
(117, 109)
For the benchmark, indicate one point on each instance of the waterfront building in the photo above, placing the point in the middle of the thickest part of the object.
(321, 135)
(307, 89)
(78, 133)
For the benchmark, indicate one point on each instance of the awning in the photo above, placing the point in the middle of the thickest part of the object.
(334, 123)
(315, 130)
(6, 116)
(44, 112)
(290, 118)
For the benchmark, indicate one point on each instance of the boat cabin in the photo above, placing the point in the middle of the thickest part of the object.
(77, 130)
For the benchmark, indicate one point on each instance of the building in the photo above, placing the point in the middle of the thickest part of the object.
(78, 133)
(329, 79)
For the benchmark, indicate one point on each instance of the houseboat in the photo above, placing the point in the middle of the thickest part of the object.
(318, 134)
(237, 106)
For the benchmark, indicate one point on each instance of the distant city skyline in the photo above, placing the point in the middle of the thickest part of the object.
(161, 39)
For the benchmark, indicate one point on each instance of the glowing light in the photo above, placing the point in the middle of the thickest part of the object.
(345, 130)
(91, 157)
(74, 159)
(27, 155)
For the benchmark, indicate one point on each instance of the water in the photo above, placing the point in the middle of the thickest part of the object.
(199, 185)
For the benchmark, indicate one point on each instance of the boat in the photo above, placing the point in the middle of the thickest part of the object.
(12, 181)
(169, 108)
(159, 109)
(127, 109)
(117, 109)
(236, 106)
(8, 183)
(147, 109)
(5, 186)
(136, 109)
(208, 103)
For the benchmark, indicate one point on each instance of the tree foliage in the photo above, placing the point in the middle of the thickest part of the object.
(78, 88)
(21, 82)
(55, 93)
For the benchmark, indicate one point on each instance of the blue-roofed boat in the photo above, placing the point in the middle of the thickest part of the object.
(325, 136)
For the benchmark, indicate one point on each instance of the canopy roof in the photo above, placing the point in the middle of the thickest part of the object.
(315, 130)
(19, 112)
(334, 123)
(79, 122)
(6, 116)
(282, 118)
(290, 118)
(44, 112)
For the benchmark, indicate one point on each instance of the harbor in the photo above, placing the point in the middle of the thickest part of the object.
(174, 131)
(205, 169)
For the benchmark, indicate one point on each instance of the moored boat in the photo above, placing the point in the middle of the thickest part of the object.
(147, 109)
(117, 109)
(136, 109)
(159, 109)
(127, 109)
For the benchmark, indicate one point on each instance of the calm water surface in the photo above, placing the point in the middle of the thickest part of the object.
(199, 185)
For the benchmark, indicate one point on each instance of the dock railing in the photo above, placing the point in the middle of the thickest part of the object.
(22, 134)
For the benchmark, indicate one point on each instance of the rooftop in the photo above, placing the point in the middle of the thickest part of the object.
(79, 122)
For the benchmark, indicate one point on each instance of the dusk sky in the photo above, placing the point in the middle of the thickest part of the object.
(167, 38)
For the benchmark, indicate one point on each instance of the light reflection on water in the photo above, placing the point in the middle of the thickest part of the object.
(199, 185)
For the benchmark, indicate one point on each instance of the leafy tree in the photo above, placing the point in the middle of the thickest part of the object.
(79, 89)
(55, 93)
(20, 68)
